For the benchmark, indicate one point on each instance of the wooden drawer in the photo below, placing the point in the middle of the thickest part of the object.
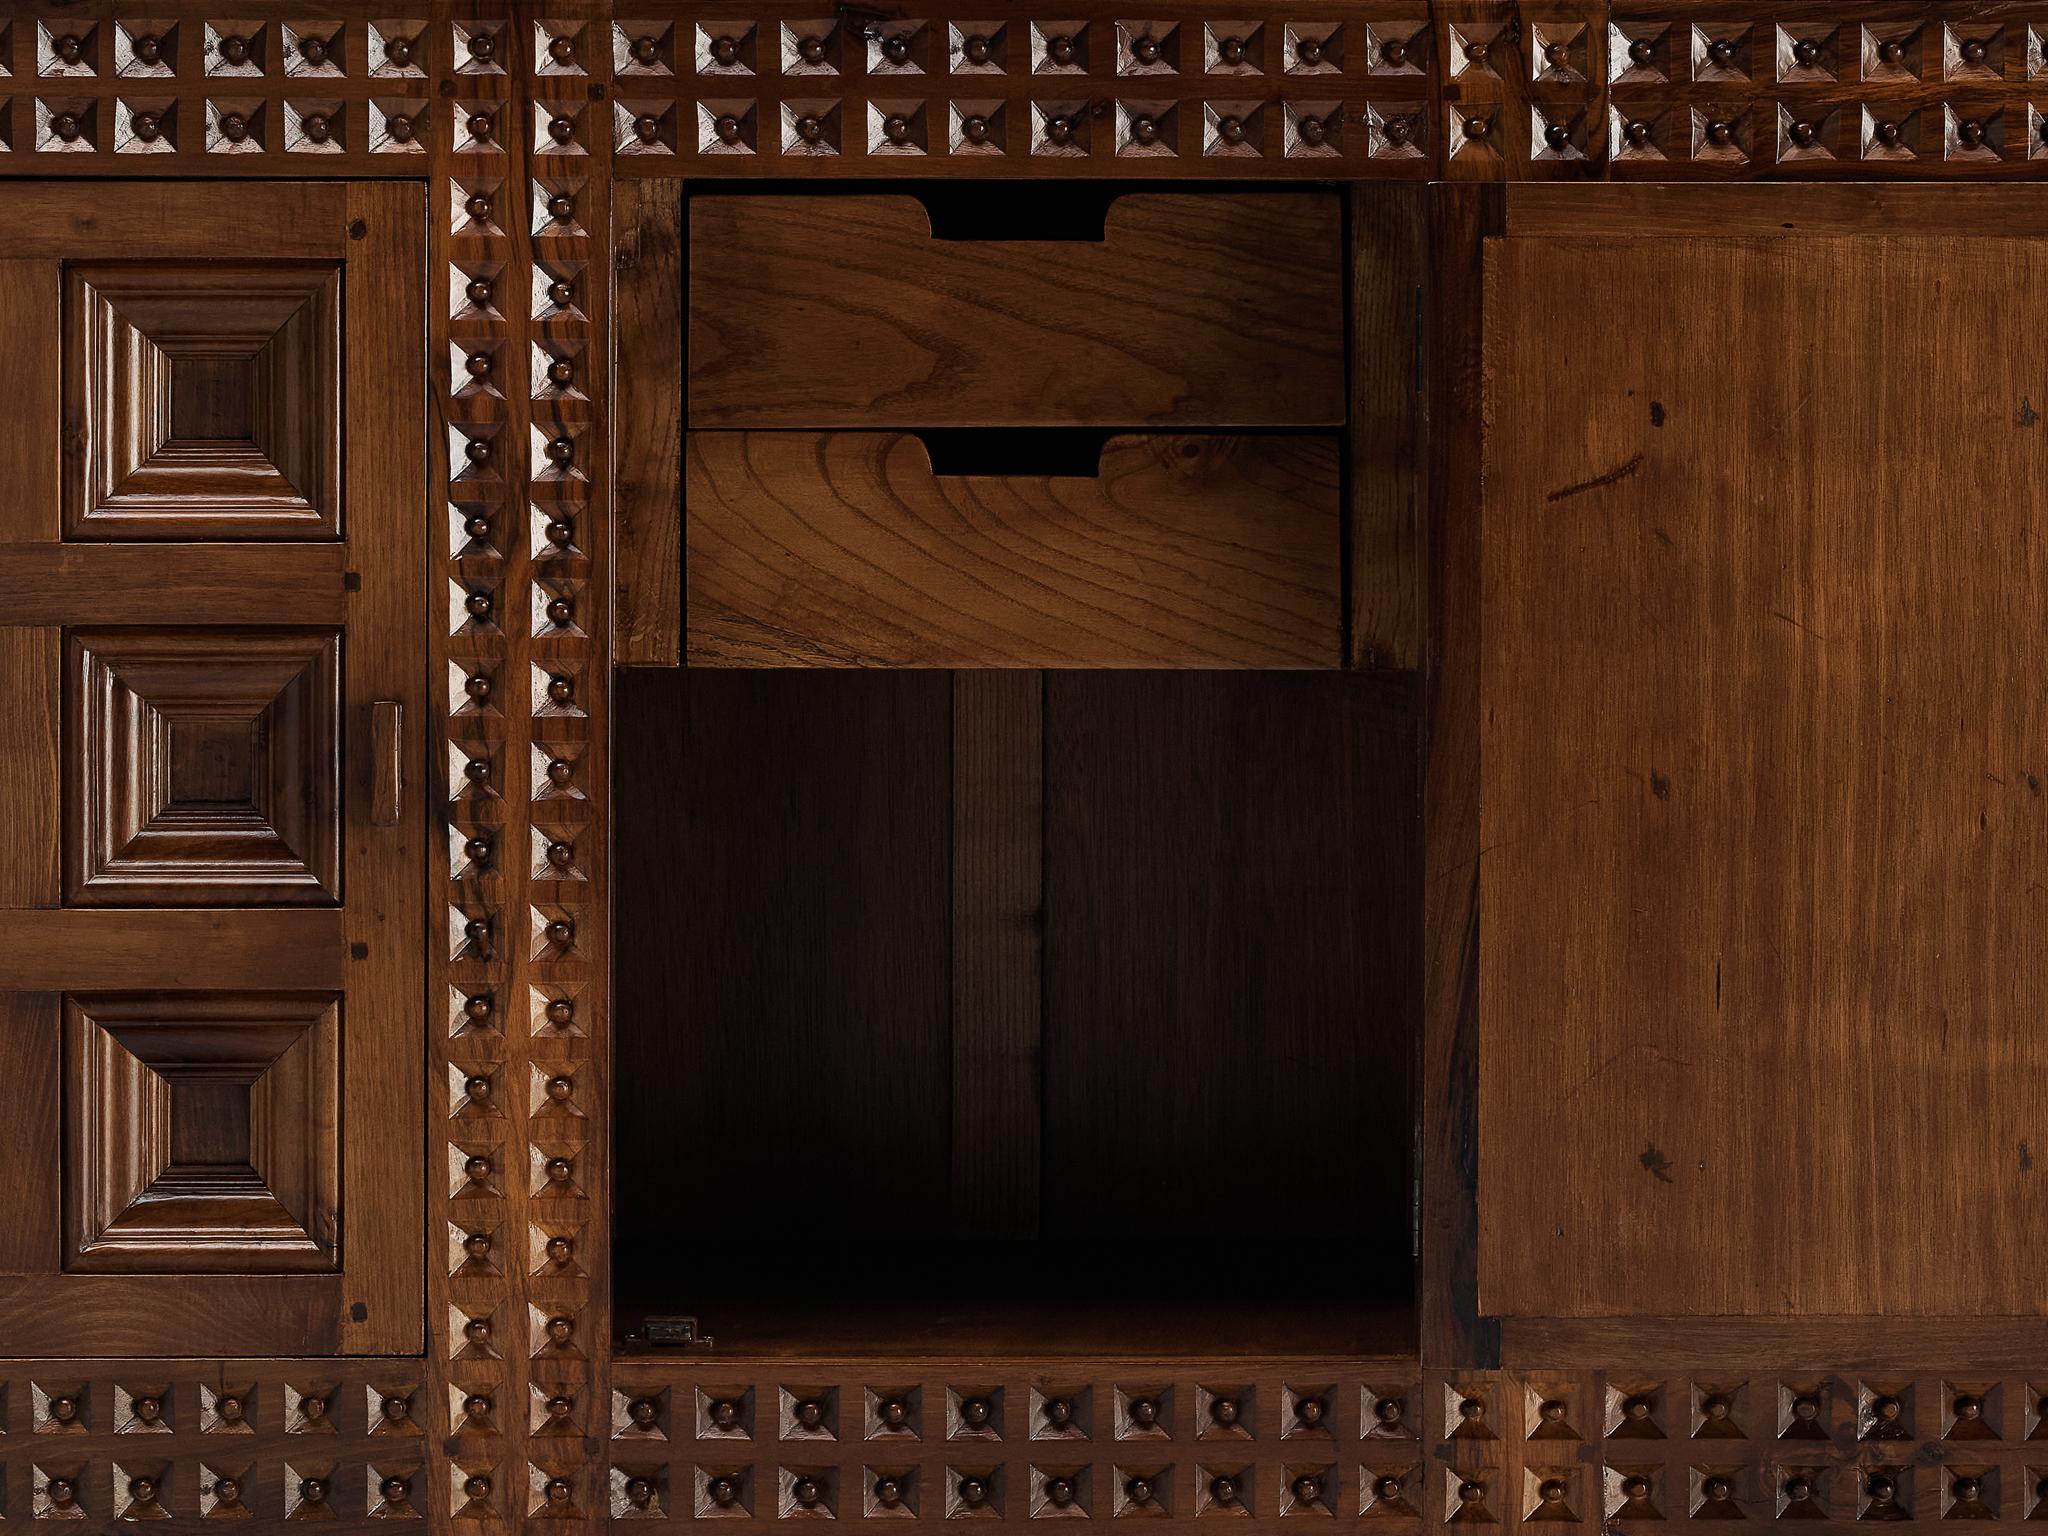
(1197, 310)
(845, 549)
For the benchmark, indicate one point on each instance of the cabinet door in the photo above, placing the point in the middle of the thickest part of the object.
(212, 662)
(1765, 778)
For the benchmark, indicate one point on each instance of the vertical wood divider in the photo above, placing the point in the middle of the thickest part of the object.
(998, 950)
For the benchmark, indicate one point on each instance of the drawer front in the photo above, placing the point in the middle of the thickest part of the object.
(843, 549)
(1193, 310)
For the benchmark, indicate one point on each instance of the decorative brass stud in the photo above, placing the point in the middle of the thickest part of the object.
(477, 1486)
(1059, 1491)
(227, 1490)
(973, 1492)
(1716, 1489)
(725, 51)
(1224, 1411)
(1891, 51)
(646, 128)
(476, 1407)
(317, 127)
(1312, 132)
(639, 1492)
(888, 1492)
(1471, 1492)
(561, 1012)
(724, 1491)
(229, 1409)
(561, 207)
(811, 49)
(478, 289)
(1387, 1489)
(477, 1169)
(1309, 51)
(896, 128)
(1144, 1412)
(1230, 130)
(477, 1087)
(234, 50)
(234, 127)
(1230, 50)
(1059, 48)
(148, 49)
(142, 1489)
(1145, 129)
(313, 50)
(1394, 52)
(398, 51)
(394, 1489)
(1139, 1490)
(1308, 1488)
(976, 48)
(725, 1413)
(1145, 48)
(562, 129)
(727, 127)
(313, 1489)
(1634, 1488)
(808, 1492)
(562, 49)
(1720, 133)
(1059, 130)
(1720, 53)
(896, 47)
(561, 933)
(61, 1491)
(478, 1331)
(1881, 1488)
(645, 1412)
(1551, 1490)
(147, 126)
(560, 855)
(559, 1089)
(1803, 134)
(1715, 1408)
(560, 1330)
(645, 50)
(1059, 1412)
(477, 1245)
(810, 128)
(1637, 132)
(1223, 1489)
(66, 126)
(975, 1412)
(482, 47)
(559, 611)
(560, 770)
(1557, 54)
(1806, 53)
(1641, 51)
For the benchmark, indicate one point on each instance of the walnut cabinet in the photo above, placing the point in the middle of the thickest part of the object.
(788, 764)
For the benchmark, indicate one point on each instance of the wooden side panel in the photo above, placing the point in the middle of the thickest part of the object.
(1763, 782)
(1211, 310)
(647, 445)
(1230, 888)
(844, 549)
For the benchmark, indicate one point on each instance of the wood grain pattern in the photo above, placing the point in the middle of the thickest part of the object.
(647, 486)
(31, 442)
(31, 682)
(998, 950)
(1191, 311)
(49, 583)
(1383, 523)
(1230, 978)
(844, 549)
(1761, 804)
(1453, 1334)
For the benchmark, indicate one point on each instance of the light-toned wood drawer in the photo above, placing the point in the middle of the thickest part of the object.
(1193, 310)
(844, 549)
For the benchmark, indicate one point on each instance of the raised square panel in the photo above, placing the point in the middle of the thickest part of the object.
(201, 1132)
(202, 768)
(202, 402)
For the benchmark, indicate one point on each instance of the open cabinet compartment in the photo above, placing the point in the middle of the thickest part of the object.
(1026, 1012)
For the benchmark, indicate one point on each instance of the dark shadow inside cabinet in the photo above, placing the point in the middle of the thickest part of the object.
(1016, 1012)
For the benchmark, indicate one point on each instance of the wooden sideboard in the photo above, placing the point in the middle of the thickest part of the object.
(786, 762)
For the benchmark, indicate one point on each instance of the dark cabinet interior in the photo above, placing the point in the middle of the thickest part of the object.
(1176, 986)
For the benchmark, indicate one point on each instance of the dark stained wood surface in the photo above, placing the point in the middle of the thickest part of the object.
(784, 989)
(1230, 974)
(998, 950)
(1453, 1334)
(647, 451)
(1762, 795)
(1192, 311)
(844, 549)
(1383, 529)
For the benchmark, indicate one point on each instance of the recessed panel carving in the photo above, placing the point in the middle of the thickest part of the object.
(202, 402)
(201, 1132)
(202, 767)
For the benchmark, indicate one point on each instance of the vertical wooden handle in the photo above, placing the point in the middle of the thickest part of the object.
(387, 754)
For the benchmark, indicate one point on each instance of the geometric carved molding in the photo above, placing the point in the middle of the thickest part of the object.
(202, 768)
(202, 402)
(201, 1132)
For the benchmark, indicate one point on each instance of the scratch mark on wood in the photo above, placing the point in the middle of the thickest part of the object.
(1619, 472)
(1809, 629)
